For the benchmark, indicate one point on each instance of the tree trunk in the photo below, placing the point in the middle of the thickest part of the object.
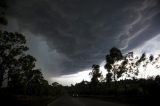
(115, 84)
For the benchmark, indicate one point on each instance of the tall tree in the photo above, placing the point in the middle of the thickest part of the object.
(30, 77)
(112, 68)
(15, 66)
(12, 46)
(114, 55)
(95, 74)
(3, 7)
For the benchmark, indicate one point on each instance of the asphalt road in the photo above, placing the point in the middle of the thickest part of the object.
(67, 100)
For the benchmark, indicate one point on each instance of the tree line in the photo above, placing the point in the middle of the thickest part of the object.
(123, 78)
(18, 72)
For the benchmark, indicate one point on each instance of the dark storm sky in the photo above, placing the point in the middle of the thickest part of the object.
(68, 36)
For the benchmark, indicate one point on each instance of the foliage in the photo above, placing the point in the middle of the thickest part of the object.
(12, 46)
(3, 7)
(95, 74)
(123, 79)
(114, 56)
(18, 70)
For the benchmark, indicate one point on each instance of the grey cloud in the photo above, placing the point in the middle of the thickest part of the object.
(141, 24)
(82, 31)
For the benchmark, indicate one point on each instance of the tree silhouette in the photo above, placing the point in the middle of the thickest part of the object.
(115, 55)
(95, 74)
(17, 68)
(56, 88)
(12, 46)
(3, 7)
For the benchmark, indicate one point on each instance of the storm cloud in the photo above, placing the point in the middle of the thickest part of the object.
(68, 36)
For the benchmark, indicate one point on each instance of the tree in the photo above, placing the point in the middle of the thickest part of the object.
(115, 55)
(111, 66)
(56, 88)
(35, 82)
(3, 7)
(95, 74)
(12, 47)
(16, 67)
(32, 78)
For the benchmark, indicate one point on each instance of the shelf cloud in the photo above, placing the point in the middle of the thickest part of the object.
(68, 36)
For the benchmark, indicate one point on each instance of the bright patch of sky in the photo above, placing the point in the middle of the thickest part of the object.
(149, 47)
(77, 77)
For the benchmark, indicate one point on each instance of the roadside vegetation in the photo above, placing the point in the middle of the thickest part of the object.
(21, 83)
(123, 82)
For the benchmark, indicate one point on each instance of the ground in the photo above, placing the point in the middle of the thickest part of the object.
(67, 100)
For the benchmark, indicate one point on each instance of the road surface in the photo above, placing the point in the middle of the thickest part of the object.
(67, 100)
